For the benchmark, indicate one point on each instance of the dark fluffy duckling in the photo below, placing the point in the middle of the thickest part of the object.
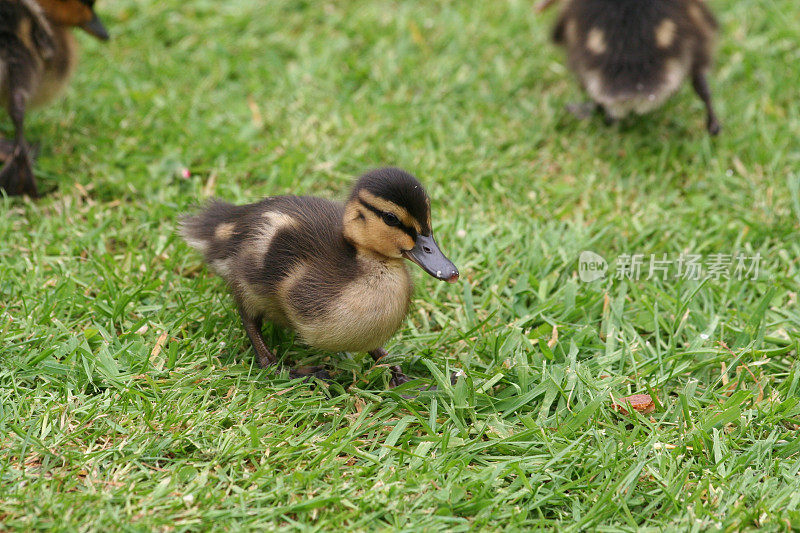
(37, 56)
(632, 55)
(334, 272)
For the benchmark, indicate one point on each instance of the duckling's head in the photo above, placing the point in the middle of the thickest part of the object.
(389, 214)
(77, 13)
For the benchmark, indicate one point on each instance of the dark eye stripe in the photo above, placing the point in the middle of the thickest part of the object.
(411, 232)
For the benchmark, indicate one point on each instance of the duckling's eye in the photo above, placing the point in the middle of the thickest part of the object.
(391, 219)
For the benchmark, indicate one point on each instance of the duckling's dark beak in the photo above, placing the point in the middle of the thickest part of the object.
(426, 253)
(96, 28)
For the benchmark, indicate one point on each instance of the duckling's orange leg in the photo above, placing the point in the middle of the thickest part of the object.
(398, 378)
(700, 84)
(17, 175)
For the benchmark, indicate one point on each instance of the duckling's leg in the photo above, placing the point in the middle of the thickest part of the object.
(6, 149)
(398, 378)
(700, 84)
(265, 357)
(17, 175)
(252, 326)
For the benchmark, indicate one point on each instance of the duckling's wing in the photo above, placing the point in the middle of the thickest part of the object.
(263, 243)
(306, 235)
(24, 31)
(23, 41)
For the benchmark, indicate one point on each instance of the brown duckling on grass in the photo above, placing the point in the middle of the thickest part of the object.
(333, 272)
(37, 56)
(630, 56)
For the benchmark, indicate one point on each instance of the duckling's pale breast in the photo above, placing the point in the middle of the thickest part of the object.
(365, 313)
(639, 99)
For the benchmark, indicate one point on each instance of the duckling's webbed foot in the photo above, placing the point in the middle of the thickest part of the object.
(7, 150)
(16, 177)
(319, 372)
(700, 84)
(398, 378)
(252, 326)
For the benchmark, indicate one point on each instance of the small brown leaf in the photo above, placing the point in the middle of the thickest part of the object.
(642, 403)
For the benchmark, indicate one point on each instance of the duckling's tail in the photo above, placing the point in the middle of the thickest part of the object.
(201, 229)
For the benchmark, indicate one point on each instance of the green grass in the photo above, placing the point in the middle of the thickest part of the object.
(129, 396)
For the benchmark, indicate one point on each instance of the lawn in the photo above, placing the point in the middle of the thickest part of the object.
(129, 395)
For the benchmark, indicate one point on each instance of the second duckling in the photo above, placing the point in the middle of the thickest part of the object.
(632, 55)
(37, 56)
(334, 272)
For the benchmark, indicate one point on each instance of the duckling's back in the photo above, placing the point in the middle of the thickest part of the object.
(257, 247)
(25, 41)
(630, 55)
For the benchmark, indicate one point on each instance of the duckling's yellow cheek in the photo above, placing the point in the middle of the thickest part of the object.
(405, 242)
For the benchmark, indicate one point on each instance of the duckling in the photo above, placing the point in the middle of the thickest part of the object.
(632, 55)
(333, 272)
(37, 56)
